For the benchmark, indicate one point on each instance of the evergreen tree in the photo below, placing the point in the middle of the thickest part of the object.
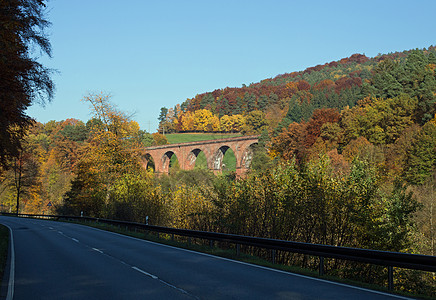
(272, 99)
(421, 158)
(250, 101)
(420, 81)
(207, 101)
(162, 114)
(294, 113)
(263, 102)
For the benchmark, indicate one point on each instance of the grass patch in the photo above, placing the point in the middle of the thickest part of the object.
(176, 138)
(229, 161)
(4, 246)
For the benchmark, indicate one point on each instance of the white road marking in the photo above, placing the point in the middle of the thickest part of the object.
(145, 273)
(164, 282)
(50, 228)
(76, 240)
(124, 263)
(179, 289)
(11, 284)
(98, 250)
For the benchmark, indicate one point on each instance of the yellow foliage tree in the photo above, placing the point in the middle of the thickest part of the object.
(201, 119)
(113, 120)
(238, 122)
(232, 123)
(187, 121)
(214, 124)
(226, 123)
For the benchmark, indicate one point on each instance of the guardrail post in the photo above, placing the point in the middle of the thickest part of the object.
(211, 242)
(273, 256)
(390, 278)
(321, 266)
(172, 237)
(238, 249)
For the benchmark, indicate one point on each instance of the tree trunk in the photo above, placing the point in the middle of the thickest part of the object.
(18, 172)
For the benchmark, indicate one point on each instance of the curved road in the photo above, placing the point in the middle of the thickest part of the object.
(56, 260)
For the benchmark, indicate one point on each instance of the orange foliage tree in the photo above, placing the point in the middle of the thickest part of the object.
(319, 118)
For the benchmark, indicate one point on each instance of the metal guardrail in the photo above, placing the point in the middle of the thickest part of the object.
(377, 257)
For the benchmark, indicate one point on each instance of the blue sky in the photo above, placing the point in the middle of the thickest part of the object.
(150, 54)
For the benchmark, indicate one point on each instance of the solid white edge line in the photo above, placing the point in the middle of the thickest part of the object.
(11, 284)
(261, 267)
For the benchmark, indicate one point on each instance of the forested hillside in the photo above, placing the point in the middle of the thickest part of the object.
(347, 156)
(296, 95)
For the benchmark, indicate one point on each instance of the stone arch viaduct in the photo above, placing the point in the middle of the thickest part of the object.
(214, 151)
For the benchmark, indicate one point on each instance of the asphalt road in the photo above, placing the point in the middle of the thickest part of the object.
(67, 261)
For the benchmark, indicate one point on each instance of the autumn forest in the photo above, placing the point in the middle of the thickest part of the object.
(346, 157)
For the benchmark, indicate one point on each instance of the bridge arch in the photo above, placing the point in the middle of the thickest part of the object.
(148, 161)
(192, 158)
(247, 156)
(166, 160)
(217, 158)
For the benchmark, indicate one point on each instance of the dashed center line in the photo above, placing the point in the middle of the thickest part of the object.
(164, 282)
(98, 250)
(133, 267)
(145, 273)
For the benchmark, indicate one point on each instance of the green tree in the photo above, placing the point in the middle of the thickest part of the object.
(261, 160)
(263, 102)
(380, 121)
(207, 101)
(415, 77)
(162, 114)
(420, 82)
(250, 101)
(421, 158)
(385, 82)
(77, 132)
